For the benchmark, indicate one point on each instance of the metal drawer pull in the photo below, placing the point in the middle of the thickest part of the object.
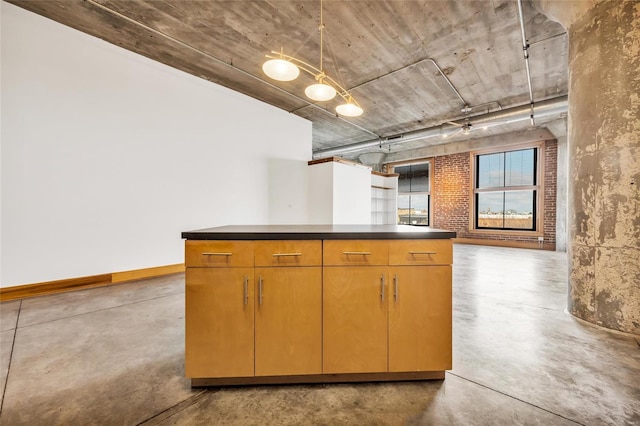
(287, 254)
(363, 253)
(260, 290)
(395, 284)
(423, 252)
(217, 254)
(246, 289)
(382, 287)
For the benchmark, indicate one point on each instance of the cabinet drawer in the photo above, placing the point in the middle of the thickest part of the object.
(420, 252)
(218, 254)
(289, 253)
(355, 252)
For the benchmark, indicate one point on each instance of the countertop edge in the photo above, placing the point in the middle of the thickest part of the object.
(244, 236)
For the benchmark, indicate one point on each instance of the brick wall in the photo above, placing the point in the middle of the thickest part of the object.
(550, 188)
(450, 193)
(450, 197)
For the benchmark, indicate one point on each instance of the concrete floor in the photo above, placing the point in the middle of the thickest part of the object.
(114, 355)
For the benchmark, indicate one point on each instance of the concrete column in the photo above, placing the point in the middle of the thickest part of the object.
(604, 159)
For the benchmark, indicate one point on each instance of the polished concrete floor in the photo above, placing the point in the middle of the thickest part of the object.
(114, 355)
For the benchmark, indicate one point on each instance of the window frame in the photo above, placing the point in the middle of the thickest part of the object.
(391, 169)
(538, 188)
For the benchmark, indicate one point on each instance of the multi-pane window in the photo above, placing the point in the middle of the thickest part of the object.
(506, 188)
(413, 194)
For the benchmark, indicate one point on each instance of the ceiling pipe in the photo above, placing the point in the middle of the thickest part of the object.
(466, 107)
(550, 107)
(525, 49)
(228, 65)
(544, 40)
(435, 64)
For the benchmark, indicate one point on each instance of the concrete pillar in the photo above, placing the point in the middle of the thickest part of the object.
(604, 159)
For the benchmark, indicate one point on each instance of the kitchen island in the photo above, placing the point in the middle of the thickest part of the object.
(317, 304)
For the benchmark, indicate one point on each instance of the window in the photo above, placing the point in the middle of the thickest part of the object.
(413, 193)
(506, 190)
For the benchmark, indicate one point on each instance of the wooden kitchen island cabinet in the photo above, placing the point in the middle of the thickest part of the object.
(317, 304)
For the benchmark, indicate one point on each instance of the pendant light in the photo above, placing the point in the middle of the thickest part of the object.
(320, 92)
(282, 67)
(349, 109)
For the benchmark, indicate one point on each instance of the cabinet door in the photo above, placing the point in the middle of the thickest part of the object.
(420, 318)
(219, 322)
(288, 321)
(355, 319)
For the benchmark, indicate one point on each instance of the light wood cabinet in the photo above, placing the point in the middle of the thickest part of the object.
(355, 319)
(420, 310)
(288, 321)
(394, 318)
(355, 252)
(219, 322)
(218, 254)
(244, 320)
(420, 318)
(288, 311)
(420, 252)
(288, 253)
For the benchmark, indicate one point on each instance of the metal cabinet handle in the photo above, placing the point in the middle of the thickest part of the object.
(260, 290)
(246, 289)
(382, 287)
(286, 254)
(217, 254)
(363, 253)
(395, 284)
(423, 252)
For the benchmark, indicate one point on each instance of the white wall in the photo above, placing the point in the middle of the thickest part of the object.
(351, 194)
(321, 193)
(339, 193)
(107, 156)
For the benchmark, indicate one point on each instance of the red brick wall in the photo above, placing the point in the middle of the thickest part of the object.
(450, 193)
(450, 197)
(550, 189)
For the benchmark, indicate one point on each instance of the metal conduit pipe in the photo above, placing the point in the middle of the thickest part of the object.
(435, 64)
(525, 49)
(550, 107)
(544, 40)
(221, 62)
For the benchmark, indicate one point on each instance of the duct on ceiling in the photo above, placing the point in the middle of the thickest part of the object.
(551, 107)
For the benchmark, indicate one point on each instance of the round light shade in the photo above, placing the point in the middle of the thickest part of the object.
(281, 70)
(320, 92)
(349, 110)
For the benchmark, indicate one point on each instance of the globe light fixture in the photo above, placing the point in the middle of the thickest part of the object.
(350, 109)
(320, 92)
(282, 67)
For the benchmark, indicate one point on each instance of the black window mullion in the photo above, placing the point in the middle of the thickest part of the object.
(517, 185)
(535, 167)
(504, 207)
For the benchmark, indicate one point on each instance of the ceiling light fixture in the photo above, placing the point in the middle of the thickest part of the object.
(283, 67)
(465, 128)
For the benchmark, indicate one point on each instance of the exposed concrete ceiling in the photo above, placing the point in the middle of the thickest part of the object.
(477, 44)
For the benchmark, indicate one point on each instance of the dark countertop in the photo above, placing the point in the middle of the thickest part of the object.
(317, 232)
